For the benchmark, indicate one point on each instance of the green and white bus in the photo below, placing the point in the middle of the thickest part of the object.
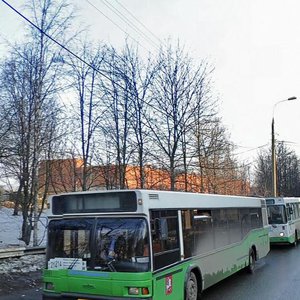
(146, 244)
(284, 219)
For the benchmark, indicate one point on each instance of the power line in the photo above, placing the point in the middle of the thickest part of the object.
(99, 11)
(138, 21)
(75, 55)
(289, 142)
(128, 22)
(51, 38)
(63, 47)
(249, 150)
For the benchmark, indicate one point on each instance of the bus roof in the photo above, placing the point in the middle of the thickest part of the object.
(155, 199)
(166, 199)
(282, 200)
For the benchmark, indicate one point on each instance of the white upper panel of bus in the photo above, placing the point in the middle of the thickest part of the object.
(284, 200)
(166, 199)
(152, 199)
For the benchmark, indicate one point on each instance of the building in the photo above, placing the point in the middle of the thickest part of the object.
(67, 175)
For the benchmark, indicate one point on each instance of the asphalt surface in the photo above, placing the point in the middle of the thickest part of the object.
(276, 277)
(26, 285)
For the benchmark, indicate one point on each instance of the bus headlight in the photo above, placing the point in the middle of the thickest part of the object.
(281, 234)
(133, 291)
(136, 291)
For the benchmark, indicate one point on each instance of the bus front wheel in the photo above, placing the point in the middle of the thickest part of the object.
(191, 292)
(296, 239)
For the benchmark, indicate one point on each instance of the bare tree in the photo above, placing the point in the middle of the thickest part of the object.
(118, 105)
(263, 174)
(33, 125)
(288, 172)
(85, 79)
(140, 77)
(5, 148)
(177, 94)
(30, 80)
(213, 151)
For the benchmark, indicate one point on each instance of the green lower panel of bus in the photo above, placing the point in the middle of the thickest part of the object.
(211, 267)
(233, 258)
(170, 284)
(106, 284)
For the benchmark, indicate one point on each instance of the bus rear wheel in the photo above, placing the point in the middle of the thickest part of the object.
(251, 265)
(191, 290)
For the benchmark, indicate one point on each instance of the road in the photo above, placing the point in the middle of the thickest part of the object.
(31, 294)
(276, 277)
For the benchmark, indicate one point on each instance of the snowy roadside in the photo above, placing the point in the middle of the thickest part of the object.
(10, 229)
(10, 232)
(23, 264)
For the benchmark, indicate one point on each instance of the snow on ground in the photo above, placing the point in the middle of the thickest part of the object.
(23, 264)
(10, 232)
(11, 226)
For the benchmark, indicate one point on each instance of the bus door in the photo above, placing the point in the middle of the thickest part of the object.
(168, 283)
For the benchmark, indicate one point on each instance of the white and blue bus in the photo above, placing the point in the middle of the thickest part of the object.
(284, 219)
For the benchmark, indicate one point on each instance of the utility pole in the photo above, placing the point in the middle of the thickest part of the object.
(274, 167)
(274, 164)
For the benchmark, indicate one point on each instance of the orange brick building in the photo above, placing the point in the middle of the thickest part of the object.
(65, 175)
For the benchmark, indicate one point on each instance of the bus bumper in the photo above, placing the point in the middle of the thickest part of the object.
(75, 296)
(282, 240)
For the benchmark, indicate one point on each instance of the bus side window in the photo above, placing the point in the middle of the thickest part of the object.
(165, 241)
(156, 244)
(295, 210)
(289, 212)
(245, 221)
(256, 218)
(234, 224)
(203, 226)
(163, 229)
(221, 232)
(188, 233)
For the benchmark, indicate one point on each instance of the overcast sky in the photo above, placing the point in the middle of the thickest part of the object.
(254, 46)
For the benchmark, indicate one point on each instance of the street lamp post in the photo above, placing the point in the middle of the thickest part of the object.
(274, 166)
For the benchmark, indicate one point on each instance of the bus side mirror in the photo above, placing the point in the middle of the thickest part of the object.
(291, 210)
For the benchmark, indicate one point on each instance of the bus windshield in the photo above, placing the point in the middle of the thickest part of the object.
(277, 214)
(103, 244)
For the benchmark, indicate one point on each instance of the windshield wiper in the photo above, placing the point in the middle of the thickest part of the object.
(73, 263)
(112, 229)
(111, 266)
